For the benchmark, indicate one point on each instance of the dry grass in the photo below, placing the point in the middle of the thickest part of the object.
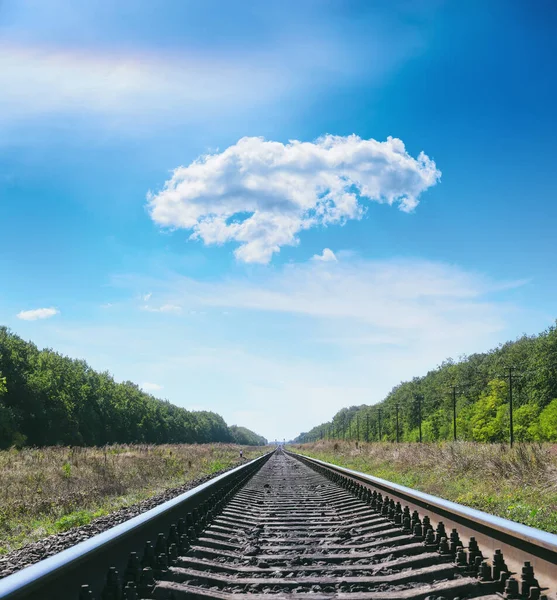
(518, 483)
(46, 490)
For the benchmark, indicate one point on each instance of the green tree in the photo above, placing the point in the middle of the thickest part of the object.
(488, 416)
(7, 422)
(526, 423)
(548, 422)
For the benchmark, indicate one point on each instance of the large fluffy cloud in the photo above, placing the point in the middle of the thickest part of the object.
(261, 194)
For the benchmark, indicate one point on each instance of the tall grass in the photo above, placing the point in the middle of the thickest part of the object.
(517, 483)
(44, 490)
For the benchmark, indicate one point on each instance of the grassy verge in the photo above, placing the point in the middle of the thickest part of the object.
(49, 490)
(518, 484)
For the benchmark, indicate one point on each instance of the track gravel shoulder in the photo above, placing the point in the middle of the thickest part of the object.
(48, 546)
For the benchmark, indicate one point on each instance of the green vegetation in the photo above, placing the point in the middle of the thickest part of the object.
(517, 483)
(49, 490)
(241, 435)
(481, 387)
(48, 399)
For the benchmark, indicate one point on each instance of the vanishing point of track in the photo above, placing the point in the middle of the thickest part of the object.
(289, 526)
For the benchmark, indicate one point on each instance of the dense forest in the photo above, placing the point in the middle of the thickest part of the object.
(468, 399)
(47, 399)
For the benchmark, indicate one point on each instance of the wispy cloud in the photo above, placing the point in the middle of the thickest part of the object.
(37, 313)
(164, 308)
(121, 78)
(405, 302)
(181, 85)
(348, 329)
(262, 194)
(38, 80)
(303, 339)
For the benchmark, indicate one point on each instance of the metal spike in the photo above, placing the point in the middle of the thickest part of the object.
(85, 593)
(111, 589)
(133, 569)
(484, 571)
(148, 559)
(511, 588)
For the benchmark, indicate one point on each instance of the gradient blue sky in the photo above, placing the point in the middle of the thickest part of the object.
(101, 101)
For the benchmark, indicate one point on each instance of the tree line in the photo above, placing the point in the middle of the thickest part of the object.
(246, 437)
(49, 399)
(506, 394)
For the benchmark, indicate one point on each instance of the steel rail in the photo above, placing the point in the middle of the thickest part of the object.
(61, 576)
(519, 543)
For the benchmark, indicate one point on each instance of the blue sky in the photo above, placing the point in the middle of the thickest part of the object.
(205, 198)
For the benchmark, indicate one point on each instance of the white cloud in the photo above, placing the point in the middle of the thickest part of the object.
(37, 313)
(327, 256)
(147, 297)
(42, 80)
(262, 194)
(403, 300)
(151, 387)
(208, 78)
(316, 336)
(305, 339)
(165, 308)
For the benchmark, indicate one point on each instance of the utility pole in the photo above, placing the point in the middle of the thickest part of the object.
(358, 427)
(420, 416)
(511, 404)
(396, 406)
(454, 413)
(367, 427)
(419, 399)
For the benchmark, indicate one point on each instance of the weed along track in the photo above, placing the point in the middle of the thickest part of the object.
(285, 525)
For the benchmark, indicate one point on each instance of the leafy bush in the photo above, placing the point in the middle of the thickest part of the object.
(75, 519)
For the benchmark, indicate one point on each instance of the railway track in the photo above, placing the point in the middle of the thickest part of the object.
(285, 525)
